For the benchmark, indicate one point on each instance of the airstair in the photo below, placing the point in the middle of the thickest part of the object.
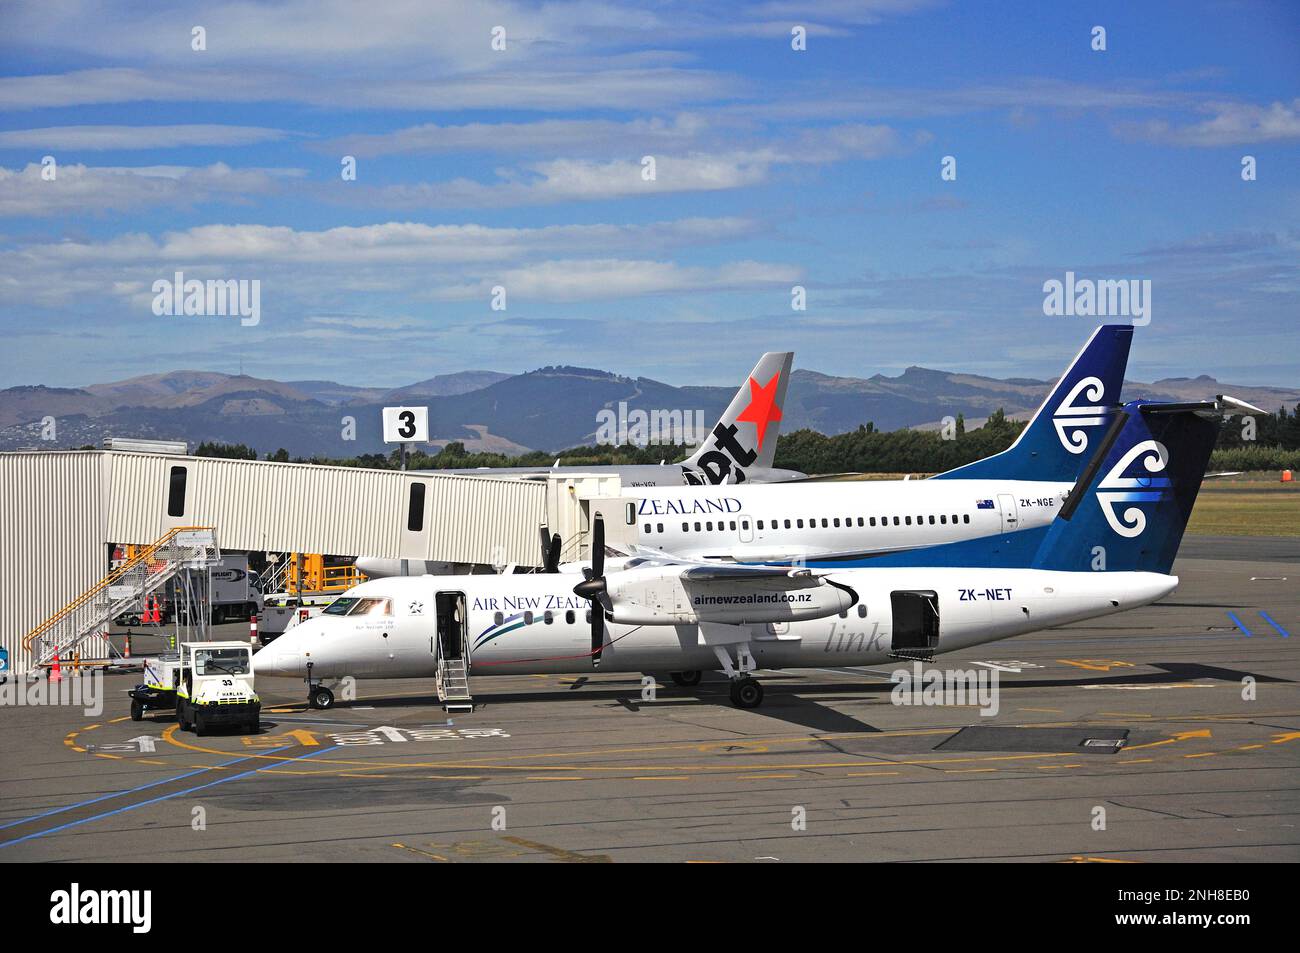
(453, 686)
(126, 587)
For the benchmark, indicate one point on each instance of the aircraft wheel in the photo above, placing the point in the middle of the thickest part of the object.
(321, 698)
(200, 727)
(685, 679)
(746, 692)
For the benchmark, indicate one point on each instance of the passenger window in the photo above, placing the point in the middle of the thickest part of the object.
(647, 527)
(744, 524)
(965, 518)
(800, 522)
(548, 617)
(697, 527)
(733, 525)
(943, 519)
(909, 520)
(498, 618)
(686, 527)
(760, 524)
(787, 524)
(873, 521)
(825, 523)
(569, 617)
(862, 611)
(528, 618)
(709, 526)
(895, 520)
(660, 527)
(837, 522)
(931, 520)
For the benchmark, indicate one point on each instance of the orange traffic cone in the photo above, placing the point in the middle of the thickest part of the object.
(127, 653)
(56, 674)
(1286, 476)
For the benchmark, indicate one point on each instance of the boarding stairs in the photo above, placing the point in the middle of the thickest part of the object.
(453, 685)
(126, 587)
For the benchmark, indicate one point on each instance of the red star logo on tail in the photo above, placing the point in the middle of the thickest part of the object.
(762, 409)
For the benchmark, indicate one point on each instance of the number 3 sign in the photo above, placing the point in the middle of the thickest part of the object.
(406, 424)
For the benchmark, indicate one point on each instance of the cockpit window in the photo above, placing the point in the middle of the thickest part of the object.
(352, 606)
(372, 607)
(341, 606)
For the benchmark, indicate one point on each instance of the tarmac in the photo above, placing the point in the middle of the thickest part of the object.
(1165, 733)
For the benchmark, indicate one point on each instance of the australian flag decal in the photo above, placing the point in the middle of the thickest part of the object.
(983, 504)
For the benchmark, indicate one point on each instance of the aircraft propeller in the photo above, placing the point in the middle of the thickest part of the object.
(594, 589)
(550, 551)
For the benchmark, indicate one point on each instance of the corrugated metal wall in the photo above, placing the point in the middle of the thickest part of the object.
(52, 523)
(59, 510)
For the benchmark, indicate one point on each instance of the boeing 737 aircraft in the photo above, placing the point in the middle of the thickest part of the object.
(1108, 548)
(1019, 488)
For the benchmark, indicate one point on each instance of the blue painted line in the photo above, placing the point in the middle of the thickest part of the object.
(1239, 624)
(1271, 621)
(165, 797)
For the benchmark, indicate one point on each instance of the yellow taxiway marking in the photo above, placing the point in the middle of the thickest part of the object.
(424, 853)
(565, 856)
(1079, 859)
(870, 774)
(767, 777)
(968, 770)
(1178, 736)
(1095, 664)
(1137, 761)
(662, 777)
(1049, 711)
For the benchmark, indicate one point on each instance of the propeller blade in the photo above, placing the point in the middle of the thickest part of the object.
(598, 547)
(552, 563)
(544, 532)
(597, 631)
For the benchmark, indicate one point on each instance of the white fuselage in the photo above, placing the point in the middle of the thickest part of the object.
(534, 624)
(774, 522)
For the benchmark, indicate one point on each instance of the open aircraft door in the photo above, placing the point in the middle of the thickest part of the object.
(915, 624)
(450, 643)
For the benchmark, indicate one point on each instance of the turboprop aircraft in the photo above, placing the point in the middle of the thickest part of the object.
(740, 448)
(1108, 548)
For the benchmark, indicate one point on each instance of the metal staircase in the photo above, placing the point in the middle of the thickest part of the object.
(145, 573)
(453, 686)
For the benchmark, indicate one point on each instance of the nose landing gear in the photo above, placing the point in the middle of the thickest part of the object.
(320, 697)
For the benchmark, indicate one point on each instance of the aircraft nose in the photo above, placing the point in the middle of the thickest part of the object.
(278, 658)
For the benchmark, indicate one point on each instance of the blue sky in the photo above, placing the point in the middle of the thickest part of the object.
(522, 168)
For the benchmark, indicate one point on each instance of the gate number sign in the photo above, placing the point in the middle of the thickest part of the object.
(406, 424)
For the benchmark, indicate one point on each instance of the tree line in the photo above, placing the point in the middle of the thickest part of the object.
(1276, 446)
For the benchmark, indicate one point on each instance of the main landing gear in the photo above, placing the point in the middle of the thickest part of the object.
(685, 679)
(746, 691)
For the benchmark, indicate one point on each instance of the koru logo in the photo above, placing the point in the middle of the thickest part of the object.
(1070, 419)
(1117, 488)
(417, 608)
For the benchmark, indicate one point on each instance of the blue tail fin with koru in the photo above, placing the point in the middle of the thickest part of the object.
(1131, 505)
(1057, 442)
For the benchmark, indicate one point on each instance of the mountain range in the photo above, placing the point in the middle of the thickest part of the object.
(551, 408)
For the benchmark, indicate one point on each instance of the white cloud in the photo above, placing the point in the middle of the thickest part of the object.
(1230, 124)
(109, 137)
(86, 189)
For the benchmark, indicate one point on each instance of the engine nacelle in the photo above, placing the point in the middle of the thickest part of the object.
(648, 597)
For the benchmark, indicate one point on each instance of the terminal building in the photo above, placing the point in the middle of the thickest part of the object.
(63, 513)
